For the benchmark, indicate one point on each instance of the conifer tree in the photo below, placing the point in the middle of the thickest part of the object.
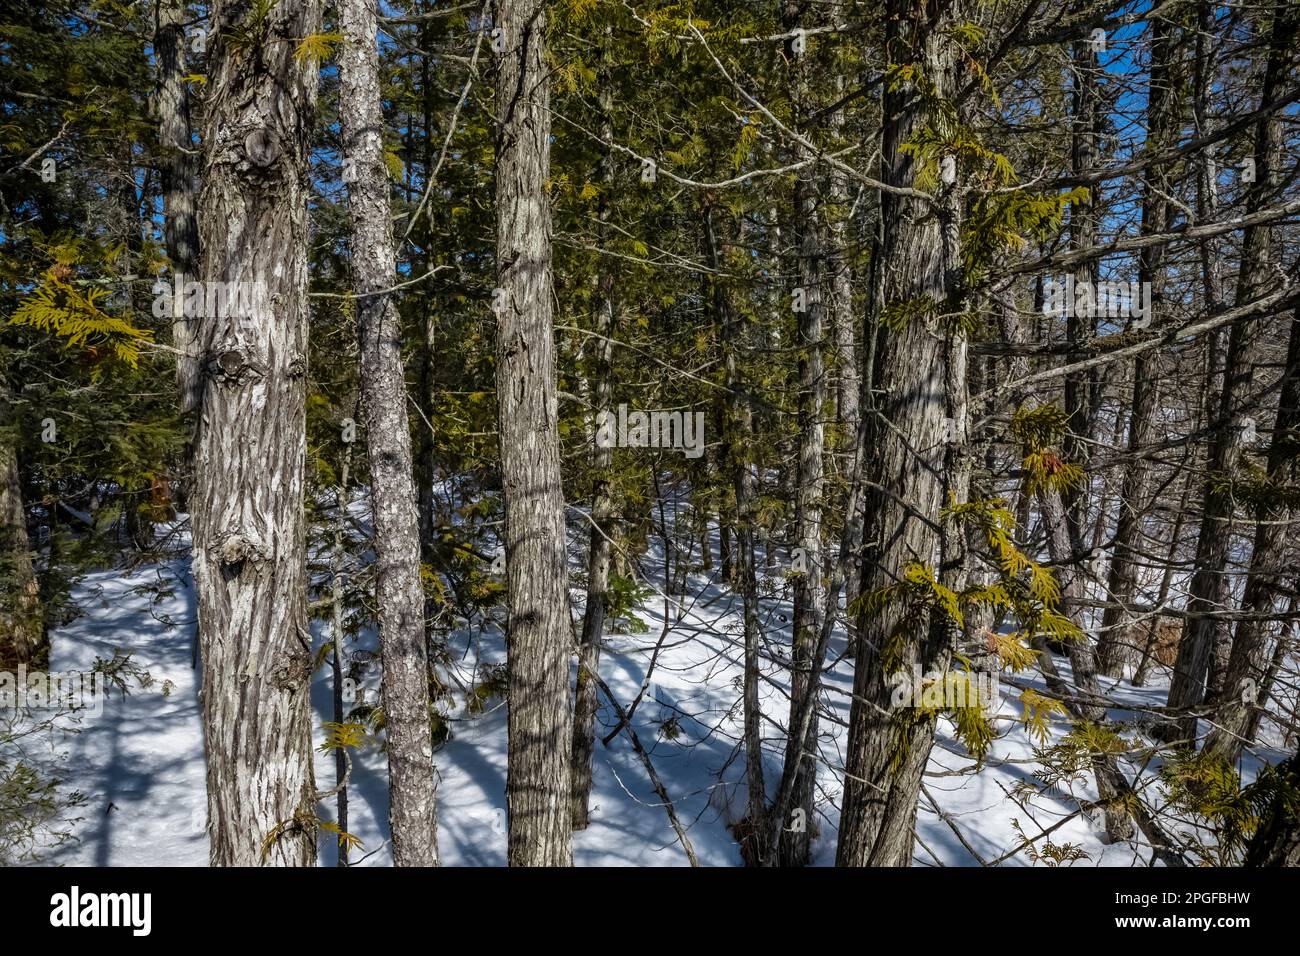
(399, 594)
(539, 632)
(248, 517)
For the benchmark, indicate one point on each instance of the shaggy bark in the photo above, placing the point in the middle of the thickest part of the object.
(809, 590)
(1190, 684)
(179, 163)
(736, 428)
(399, 594)
(602, 518)
(248, 521)
(22, 633)
(1248, 667)
(887, 751)
(539, 631)
(337, 669)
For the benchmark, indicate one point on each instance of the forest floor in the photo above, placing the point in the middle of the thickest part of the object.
(140, 764)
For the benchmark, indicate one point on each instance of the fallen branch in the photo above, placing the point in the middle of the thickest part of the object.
(650, 770)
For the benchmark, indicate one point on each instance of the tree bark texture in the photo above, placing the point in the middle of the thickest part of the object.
(539, 635)
(179, 186)
(809, 587)
(887, 750)
(1246, 679)
(399, 594)
(602, 515)
(248, 519)
(1190, 684)
(22, 633)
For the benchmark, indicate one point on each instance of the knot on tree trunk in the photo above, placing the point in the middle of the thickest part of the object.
(261, 148)
(292, 672)
(235, 547)
(231, 366)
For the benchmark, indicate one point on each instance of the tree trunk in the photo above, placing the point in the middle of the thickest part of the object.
(840, 305)
(1209, 588)
(337, 669)
(1083, 658)
(737, 427)
(1120, 642)
(887, 752)
(1080, 387)
(539, 637)
(248, 520)
(844, 579)
(1166, 582)
(399, 594)
(602, 512)
(1285, 642)
(809, 589)
(1248, 665)
(426, 446)
(22, 632)
(179, 164)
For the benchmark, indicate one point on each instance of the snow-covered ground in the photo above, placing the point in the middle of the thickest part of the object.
(140, 764)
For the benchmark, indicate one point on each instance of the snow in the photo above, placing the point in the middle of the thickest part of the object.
(141, 763)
